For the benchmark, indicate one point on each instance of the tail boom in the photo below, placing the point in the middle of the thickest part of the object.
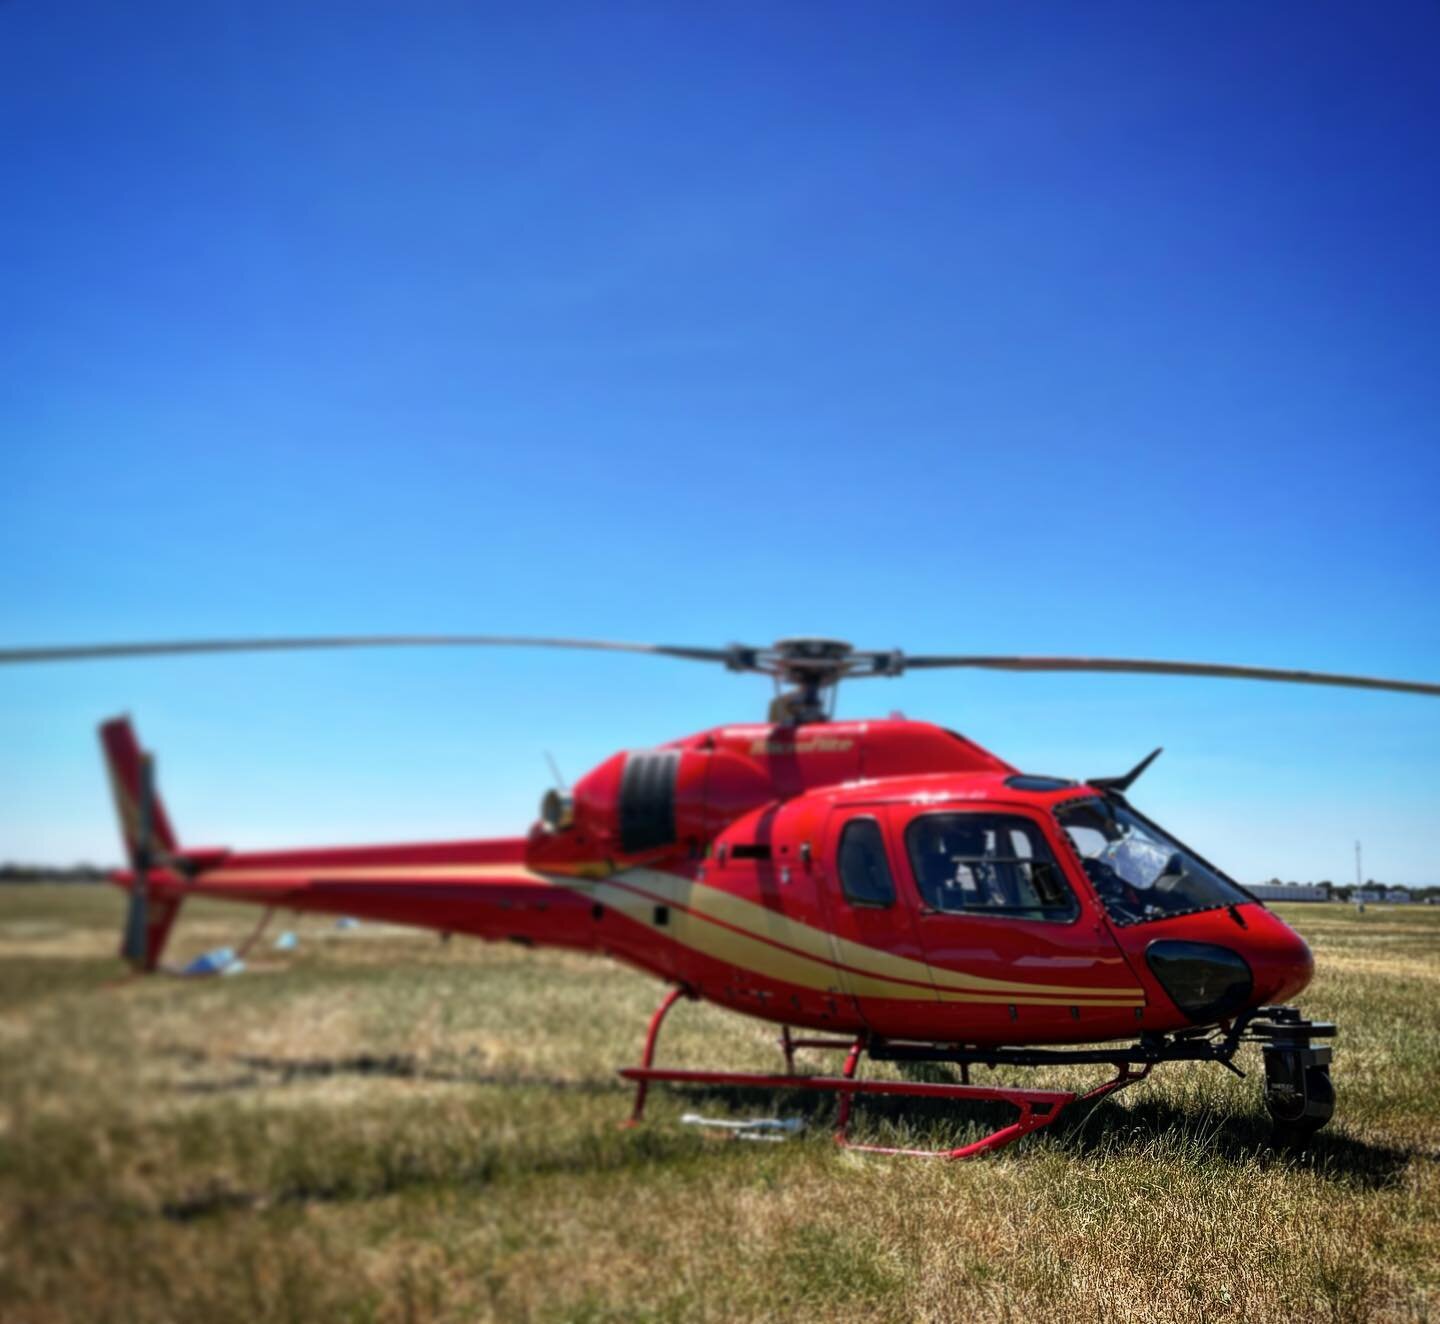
(481, 888)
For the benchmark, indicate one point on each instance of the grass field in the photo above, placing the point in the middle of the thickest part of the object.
(381, 1127)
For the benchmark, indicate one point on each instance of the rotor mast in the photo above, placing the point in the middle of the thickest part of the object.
(812, 669)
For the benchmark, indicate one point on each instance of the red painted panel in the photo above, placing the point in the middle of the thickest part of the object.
(889, 929)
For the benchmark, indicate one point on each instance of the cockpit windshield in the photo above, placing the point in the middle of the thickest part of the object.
(1137, 871)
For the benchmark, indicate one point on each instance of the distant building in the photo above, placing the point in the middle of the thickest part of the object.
(1368, 894)
(1290, 891)
(1398, 896)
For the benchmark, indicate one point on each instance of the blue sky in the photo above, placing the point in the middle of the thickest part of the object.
(960, 327)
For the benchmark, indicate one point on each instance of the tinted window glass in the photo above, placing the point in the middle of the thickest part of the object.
(993, 863)
(1025, 781)
(864, 870)
(1138, 871)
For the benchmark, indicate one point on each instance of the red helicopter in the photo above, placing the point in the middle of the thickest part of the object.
(884, 888)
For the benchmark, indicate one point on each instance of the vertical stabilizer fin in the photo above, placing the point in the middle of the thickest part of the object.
(124, 761)
(150, 844)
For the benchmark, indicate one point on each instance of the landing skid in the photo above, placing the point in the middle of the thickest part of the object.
(1279, 1029)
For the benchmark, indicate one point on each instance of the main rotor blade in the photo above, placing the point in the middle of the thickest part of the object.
(91, 652)
(737, 657)
(1143, 666)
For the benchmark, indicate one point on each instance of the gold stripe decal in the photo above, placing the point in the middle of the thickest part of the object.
(382, 873)
(725, 927)
(754, 937)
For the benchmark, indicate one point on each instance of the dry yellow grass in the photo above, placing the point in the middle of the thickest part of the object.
(384, 1128)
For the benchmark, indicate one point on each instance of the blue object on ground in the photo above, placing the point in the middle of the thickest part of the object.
(213, 962)
(286, 942)
(347, 922)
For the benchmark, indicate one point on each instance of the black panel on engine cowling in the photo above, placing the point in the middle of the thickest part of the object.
(647, 799)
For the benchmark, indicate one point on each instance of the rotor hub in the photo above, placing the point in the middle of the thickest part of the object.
(800, 660)
(813, 667)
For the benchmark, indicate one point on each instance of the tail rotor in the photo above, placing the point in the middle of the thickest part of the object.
(149, 841)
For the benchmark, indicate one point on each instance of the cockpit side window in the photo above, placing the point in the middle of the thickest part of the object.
(864, 871)
(997, 864)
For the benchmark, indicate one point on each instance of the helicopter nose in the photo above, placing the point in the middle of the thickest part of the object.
(1211, 972)
(1278, 956)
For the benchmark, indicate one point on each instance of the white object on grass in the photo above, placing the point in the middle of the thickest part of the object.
(754, 1128)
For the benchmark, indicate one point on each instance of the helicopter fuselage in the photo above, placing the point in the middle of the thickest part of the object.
(869, 877)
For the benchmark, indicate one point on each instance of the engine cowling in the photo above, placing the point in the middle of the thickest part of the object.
(648, 803)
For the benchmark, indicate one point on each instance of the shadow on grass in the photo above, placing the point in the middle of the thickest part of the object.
(923, 1123)
(360, 1172)
(1093, 1131)
(265, 1070)
(1098, 1131)
(612, 1151)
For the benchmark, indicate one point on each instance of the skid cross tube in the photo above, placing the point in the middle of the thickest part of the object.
(790, 1043)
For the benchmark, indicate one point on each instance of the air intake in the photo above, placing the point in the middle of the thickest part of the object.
(647, 800)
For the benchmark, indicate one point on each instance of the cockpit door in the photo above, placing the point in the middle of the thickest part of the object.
(1013, 948)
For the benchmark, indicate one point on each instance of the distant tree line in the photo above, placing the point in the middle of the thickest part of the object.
(50, 873)
(1344, 891)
